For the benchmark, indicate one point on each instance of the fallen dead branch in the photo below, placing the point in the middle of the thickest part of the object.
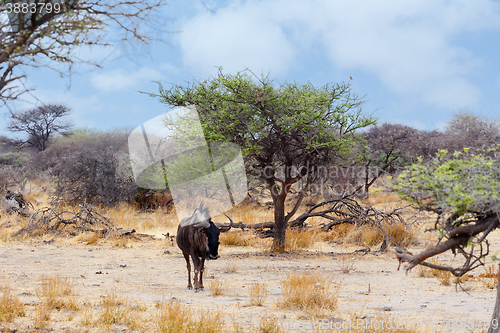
(337, 211)
(47, 220)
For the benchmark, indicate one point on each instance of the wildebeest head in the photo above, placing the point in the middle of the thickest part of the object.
(213, 241)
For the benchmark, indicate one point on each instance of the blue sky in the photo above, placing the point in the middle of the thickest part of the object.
(417, 62)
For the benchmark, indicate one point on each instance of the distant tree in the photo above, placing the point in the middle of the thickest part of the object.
(466, 129)
(40, 124)
(286, 131)
(386, 150)
(463, 188)
(46, 33)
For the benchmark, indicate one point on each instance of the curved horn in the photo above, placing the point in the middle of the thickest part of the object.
(224, 229)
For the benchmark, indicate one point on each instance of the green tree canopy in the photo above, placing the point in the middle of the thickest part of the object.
(463, 189)
(285, 130)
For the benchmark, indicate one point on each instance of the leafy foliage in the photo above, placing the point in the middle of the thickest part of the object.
(463, 189)
(462, 182)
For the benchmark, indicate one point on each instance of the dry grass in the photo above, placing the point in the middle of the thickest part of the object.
(401, 235)
(489, 278)
(383, 323)
(445, 277)
(365, 236)
(299, 240)
(312, 293)
(269, 324)
(397, 233)
(173, 317)
(347, 267)
(56, 292)
(338, 232)
(231, 269)
(216, 287)
(10, 306)
(258, 293)
(237, 238)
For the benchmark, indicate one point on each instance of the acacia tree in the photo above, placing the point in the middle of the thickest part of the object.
(35, 36)
(463, 189)
(286, 131)
(40, 124)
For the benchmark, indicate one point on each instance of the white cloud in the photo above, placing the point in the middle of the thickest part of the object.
(412, 46)
(236, 37)
(118, 79)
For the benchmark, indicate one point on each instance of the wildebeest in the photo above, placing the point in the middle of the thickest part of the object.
(198, 237)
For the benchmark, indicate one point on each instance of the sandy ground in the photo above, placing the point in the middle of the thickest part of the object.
(155, 271)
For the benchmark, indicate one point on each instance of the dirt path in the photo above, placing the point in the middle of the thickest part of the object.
(152, 272)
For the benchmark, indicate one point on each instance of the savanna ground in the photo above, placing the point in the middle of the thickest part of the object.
(86, 283)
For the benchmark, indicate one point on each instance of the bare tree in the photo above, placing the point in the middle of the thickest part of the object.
(466, 129)
(92, 168)
(387, 146)
(40, 124)
(46, 33)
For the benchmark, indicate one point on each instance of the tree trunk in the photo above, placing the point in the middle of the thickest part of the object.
(279, 224)
(495, 318)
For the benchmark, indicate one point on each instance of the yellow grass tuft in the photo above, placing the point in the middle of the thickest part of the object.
(257, 293)
(270, 324)
(398, 235)
(173, 317)
(445, 277)
(338, 232)
(236, 238)
(299, 240)
(365, 236)
(216, 287)
(10, 306)
(56, 292)
(313, 293)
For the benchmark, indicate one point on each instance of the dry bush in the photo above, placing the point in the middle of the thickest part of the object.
(216, 287)
(257, 293)
(297, 240)
(10, 306)
(173, 317)
(270, 324)
(313, 293)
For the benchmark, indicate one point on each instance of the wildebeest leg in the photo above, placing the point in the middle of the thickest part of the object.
(186, 256)
(196, 267)
(202, 268)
